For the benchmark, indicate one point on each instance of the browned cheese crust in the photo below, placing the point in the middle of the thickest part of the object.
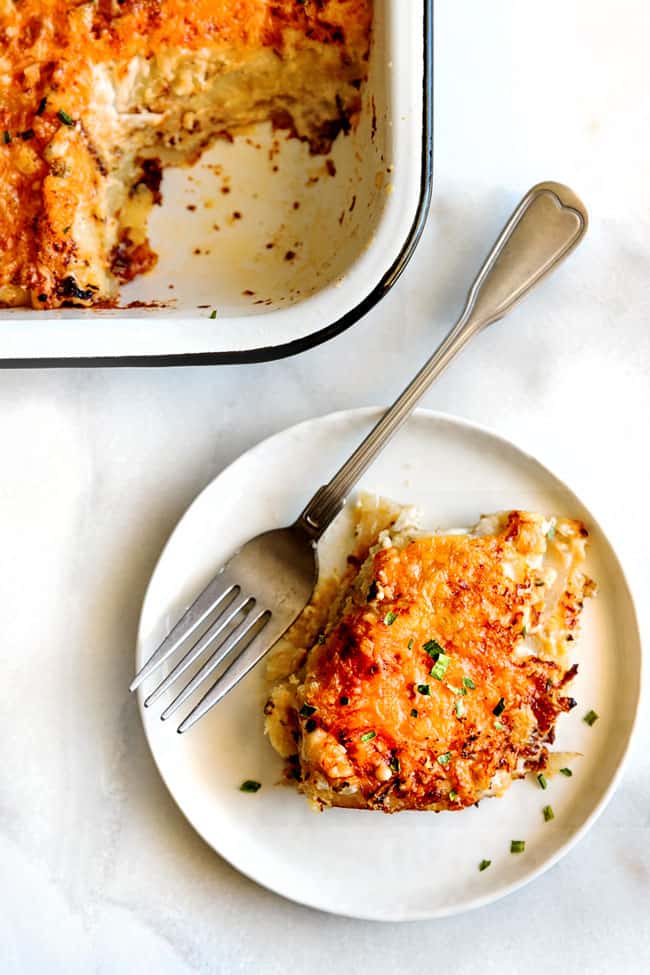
(444, 672)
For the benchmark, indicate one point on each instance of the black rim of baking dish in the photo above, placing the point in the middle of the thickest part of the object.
(272, 352)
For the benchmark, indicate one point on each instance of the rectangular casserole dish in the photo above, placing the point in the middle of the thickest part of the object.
(286, 248)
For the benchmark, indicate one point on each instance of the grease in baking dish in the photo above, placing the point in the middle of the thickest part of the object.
(432, 675)
(97, 97)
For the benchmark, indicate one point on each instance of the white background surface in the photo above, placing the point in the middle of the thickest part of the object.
(99, 871)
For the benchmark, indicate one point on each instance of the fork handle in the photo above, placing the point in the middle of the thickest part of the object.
(546, 226)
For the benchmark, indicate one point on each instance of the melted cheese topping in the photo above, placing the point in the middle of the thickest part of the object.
(89, 91)
(442, 674)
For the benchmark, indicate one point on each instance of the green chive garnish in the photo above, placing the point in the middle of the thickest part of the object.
(459, 708)
(6, 137)
(27, 134)
(590, 718)
(517, 846)
(433, 647)
(306, 711)
(390, 618)
(440, 668)
(410, 644)
(454, 690)
(64, 117)
(542, 781)
(394, 763)
(213, 313)
(41, 106)
(484, 864)
(499, 726)
(453, 795)
(524, 631)
(468, 682)
(250, 786)
(310, 726)
(500, 708)
(414, 712)
(548, 813)
(368, 736)
(424, 689)
(320, 638)
(444, 759)
(567, 772)
(345, 700)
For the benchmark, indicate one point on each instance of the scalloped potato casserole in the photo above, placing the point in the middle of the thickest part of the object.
(433, 673)
(97, 97)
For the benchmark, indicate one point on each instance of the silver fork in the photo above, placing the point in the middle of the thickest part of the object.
(265, 586)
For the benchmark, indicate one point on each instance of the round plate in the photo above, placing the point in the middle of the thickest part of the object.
(365, 864)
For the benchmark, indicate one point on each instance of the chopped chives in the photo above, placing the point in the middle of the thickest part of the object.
(444, 759)
(213, 313)
(345, 700)
(590, 718)
(64, 117)
(433, 647)
(27, 134)
(459, 708)
(250, 786)
(394, 763)
(499, 726)
(500, 708)
(41, 106)
(517, 846)
(440, 668)
(368, 736)
(306, 711)
(6, 137)
(454, 690)
(468, 682)
(548, 813)
(484, 864)
(453, 795)
(410, 644)
(310, 726)
(424, 689)
(541, 778)
(390, 618)
(414, 712)
(567, 772)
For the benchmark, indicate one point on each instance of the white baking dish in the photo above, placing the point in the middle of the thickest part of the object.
(341, 234)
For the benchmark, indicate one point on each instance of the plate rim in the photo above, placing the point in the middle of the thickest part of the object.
(576, 835)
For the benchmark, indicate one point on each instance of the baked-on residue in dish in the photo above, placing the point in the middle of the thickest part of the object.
(433, 673)
(96, 98)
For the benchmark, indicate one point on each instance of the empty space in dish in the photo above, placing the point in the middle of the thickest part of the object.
(277, 242)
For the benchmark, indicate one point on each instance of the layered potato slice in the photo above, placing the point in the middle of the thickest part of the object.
(440, 666)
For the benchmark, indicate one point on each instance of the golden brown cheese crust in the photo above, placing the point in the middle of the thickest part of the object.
(53, 119)
(444, 677)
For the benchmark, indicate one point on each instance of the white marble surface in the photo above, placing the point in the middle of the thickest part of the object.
(100, 873)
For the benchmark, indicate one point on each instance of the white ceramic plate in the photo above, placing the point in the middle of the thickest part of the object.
(356, 863)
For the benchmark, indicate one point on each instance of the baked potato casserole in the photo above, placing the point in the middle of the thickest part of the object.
(96, 98)
(432, 675)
